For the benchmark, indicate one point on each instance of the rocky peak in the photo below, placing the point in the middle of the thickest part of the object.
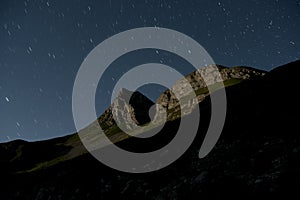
(229, 76)
(128, 106)
(134, 106)
(124, 94)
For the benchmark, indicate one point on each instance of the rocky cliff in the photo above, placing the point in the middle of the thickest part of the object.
(199, 80)
(131, 108)
(127, 107)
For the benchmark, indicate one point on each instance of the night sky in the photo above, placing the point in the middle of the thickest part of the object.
(43, 43)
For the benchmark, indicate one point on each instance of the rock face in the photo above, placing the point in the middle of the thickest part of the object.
(129, 108)
(199, 80)
(133, 111)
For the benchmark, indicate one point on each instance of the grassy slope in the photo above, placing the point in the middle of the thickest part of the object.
(75, 146)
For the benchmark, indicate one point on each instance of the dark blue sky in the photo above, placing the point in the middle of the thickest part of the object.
(43, 43)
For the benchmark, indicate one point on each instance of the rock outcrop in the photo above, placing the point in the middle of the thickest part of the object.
(129, 109)
(199, 80)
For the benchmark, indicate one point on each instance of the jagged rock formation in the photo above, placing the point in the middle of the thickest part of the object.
(134, 113)
(127, 107)
(199, 81)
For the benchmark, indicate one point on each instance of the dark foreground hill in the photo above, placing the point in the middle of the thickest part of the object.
(257, 156)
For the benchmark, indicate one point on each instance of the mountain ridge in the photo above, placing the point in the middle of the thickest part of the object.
(123, 102)
(257, 155)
